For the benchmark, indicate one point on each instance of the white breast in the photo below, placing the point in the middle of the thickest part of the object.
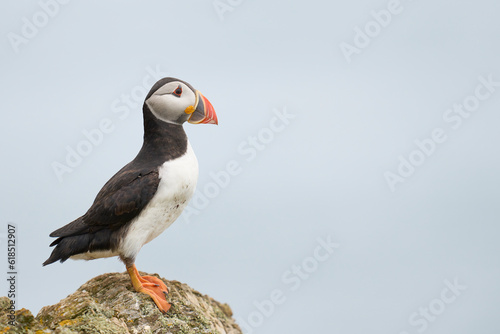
(178, 179)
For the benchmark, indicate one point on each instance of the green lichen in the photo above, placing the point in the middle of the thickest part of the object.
(109, 304)
(24, 320)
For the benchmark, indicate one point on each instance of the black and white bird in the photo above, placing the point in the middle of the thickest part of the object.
(147, 195)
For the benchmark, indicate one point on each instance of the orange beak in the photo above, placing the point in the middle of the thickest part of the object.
(204, 112)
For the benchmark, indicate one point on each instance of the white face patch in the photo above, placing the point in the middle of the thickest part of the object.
(170, 101)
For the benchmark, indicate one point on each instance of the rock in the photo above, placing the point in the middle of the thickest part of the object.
(109, 304)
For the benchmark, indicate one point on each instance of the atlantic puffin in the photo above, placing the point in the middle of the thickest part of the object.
(147, 195)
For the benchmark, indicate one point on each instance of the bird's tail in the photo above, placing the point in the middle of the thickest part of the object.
(68, 246)
(71, 239)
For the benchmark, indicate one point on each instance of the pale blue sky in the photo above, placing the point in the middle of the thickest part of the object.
(306, 138)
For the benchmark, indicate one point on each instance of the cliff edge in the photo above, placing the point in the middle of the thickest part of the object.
(108, 304)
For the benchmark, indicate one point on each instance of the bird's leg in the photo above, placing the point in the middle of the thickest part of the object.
(152, 286)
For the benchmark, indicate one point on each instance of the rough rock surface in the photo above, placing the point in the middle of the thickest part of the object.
(109, 304)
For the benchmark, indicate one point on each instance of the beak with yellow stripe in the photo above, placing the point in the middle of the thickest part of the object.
(203, 112)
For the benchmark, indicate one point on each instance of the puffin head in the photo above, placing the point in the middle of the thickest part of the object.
(174, 101)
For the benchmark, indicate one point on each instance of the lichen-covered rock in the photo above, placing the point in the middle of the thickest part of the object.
(24, 320)
(108, 304)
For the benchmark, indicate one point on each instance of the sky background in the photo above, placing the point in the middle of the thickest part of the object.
(354, 118)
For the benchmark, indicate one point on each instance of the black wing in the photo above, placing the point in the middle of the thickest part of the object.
(120, 200)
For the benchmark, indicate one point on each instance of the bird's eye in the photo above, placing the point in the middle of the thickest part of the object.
(178, 91)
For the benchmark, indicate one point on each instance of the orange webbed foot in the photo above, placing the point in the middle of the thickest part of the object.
(152, 286)
(158, 282)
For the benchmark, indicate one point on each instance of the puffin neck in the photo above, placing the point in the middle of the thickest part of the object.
(162, 141)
